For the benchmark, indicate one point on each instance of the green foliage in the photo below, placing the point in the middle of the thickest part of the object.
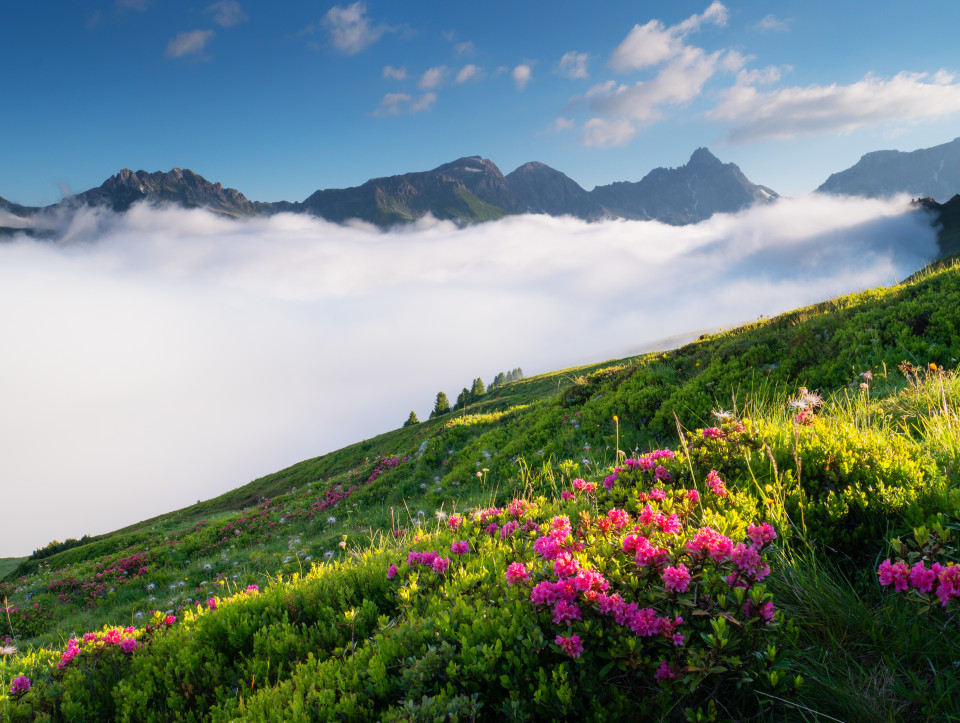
(411, 420)
(441, 406)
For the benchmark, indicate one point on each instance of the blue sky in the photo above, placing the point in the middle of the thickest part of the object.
(280, 99)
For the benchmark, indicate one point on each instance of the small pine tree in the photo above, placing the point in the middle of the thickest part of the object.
(478, 389)
(411, 420)
(442, 405)
(463, 399)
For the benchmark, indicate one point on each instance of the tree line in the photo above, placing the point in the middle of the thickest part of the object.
(467, 396)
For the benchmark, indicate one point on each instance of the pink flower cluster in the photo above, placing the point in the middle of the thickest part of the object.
(942, 581)
(122, 639)
(717, 485)
(713, 433)
(20, 685)
(433, 560)
(583, 487)
(571, 645)
(644, 463)
(461, 547)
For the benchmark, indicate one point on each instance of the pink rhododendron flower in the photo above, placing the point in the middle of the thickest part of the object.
(518, 508)
(658, 495)
(949, 584)
(590, 580)
(543, 593)
(619, 518)
(517, 572)
(252, 589)
(565, 565)
(440, 564)
(693, 496)
(20, 685)
(391, 572)
(492, 529)
(609, 481)
(707, 540)
(89, 637)
(761, 534)
(169, 620)
(647, 554)
(677, 578)
(128, 645)
(664, 672)
(112, 637)
(572, 645)
(716, 484)
(560, 526)
(897, 575)
(508, 529)
(567, 495)
(712, 433)
(565, 612)
(454, 521)
(921, 578)
(212, 603)
(547, 547)
(414, 558)
(670, 525)
(461, 547)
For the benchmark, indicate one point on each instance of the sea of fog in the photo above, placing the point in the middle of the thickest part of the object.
(160, 356)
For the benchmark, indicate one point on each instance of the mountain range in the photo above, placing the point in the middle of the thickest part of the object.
(467, 190)
(931, 172)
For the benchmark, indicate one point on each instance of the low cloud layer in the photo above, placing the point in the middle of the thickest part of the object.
(159, 357)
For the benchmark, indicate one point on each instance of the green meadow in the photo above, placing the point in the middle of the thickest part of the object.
(760, 525)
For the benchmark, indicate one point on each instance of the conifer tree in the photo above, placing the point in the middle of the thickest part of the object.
(463, 399)
(478, 389)
(411, 420)
(442, 405)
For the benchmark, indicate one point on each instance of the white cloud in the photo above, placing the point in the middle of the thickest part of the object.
(192, 42)
(522, 75)
(207, 345)
(349, 28)
(651, 44)
(396, 73)
(816, 109)
(560, 125)
(467, 48)
(404, 104)
(682, 71)
(227, 13)
(573, 65)
(762, 76)
(433, 77)
(678, 82)
(469, 72)
(772, 23)
(606, 133)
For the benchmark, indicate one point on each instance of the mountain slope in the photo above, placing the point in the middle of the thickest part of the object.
(713, 571)
(933, 172)
(541, 189)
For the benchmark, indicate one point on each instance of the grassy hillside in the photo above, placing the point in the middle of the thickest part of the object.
(689, 535)
(8, 565)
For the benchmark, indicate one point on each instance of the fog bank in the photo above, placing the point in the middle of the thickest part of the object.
(161, 356)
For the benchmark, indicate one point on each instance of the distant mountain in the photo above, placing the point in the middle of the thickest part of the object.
(468, 190)
(931, 172)
(541, 189)
(688, 194)
(397, 199)
(179, 187)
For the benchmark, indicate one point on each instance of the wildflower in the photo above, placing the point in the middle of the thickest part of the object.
(619, 518)
(664, 672)
(565, 613)
(894, 574)
(543, 593)
(567, 495)
(454, 521)
(676, 579)
(571, 645)
(722, 416)
(20, 685)
(517, 572)
(440, 564)
(508, 529)
(328, 555)
(440, 515)
(462, 547)
(716, 484)
(560, 526)
(565, 565)
(712, 433)
(331, 520)
(391, 572)
(761, 534)
(128, 645)
(8, 650)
